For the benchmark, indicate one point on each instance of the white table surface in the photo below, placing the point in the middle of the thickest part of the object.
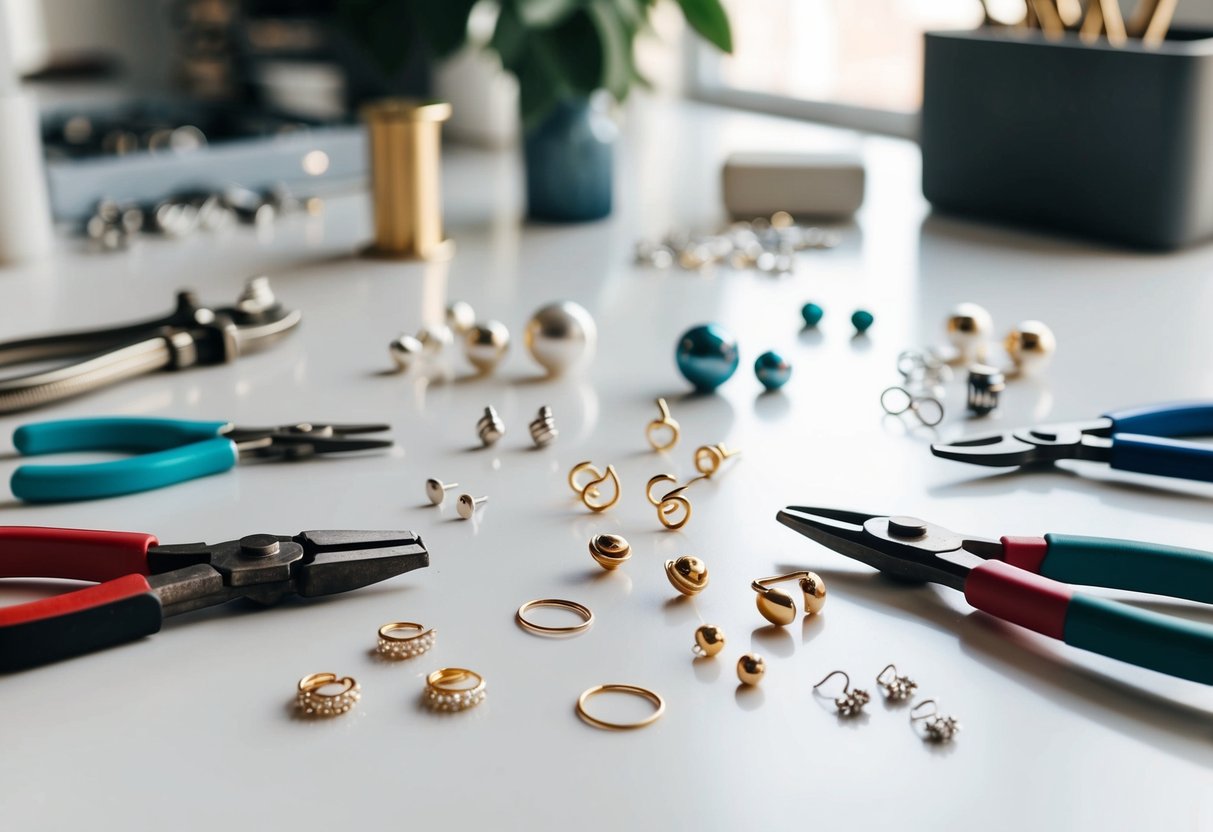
(193, 728)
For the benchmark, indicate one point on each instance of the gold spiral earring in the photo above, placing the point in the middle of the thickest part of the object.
(673, 509)
(709, 458)
(589, 491)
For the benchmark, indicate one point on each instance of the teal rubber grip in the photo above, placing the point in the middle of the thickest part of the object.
(1166, 643)
(60, 483)
(111, 433)
(1131, 565)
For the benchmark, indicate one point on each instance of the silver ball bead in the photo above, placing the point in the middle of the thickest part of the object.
(405, 351)
(460, 316)
(485, 344)
(969, 329)
(561, 336)
(1031, 346)
(435, 338)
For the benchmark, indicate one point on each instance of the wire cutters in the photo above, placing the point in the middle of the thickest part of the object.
(169, 451)
(191, 335)
(1027, 581)
(1140, 440)
(140, 582)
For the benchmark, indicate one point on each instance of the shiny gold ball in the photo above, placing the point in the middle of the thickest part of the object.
(486, 344)
(688, 575)
(751, 668)
(814, 589)
(969, 329)
(1031, 346)
(709, 640)
(610, 551)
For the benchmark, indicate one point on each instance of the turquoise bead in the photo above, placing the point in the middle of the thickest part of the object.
(862, 319)
(812, 314)
(772, 370)
(707, 356)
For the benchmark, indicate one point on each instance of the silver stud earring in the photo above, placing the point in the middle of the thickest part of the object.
(849, 702)
(936, 728)
(405, 351)
(896, 687)
(490, 428)
(436, 490)
(468, 504)
(543, 428)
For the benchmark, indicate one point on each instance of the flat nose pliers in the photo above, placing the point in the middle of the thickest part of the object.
(1027, 581)
(142, 582)
(1144, 440)
(168, 451)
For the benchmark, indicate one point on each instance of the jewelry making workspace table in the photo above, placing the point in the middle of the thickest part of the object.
(195, 728)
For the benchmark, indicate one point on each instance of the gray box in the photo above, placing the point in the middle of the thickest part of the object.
(1106, 142)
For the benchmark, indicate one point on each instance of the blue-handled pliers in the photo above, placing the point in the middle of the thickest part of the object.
(168, 451)
(1143, 440)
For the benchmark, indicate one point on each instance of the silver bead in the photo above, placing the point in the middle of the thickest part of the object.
(404, 351)
(561, 336)
(435, 338)
(460, 316)
(969, 329)
(1031, 346)
(985, 389)
(490, 428)
(543, 428)
(486, 344)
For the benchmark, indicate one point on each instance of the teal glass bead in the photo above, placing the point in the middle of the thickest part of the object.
(862, 319)
(772, 370)
(707, 356)
(812, 314)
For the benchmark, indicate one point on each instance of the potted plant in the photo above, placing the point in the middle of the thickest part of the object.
(562, 52)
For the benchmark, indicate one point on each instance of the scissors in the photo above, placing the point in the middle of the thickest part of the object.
(1142, 440)
(141, 582)
(168, 451)
(1027, 581)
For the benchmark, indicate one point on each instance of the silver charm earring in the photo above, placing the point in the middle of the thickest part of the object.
(897, 688)
(936, 728)
(850, 702)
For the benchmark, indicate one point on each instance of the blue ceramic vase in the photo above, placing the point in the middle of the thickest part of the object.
(569, 163)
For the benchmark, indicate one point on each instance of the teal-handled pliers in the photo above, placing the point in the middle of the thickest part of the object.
(167, 451)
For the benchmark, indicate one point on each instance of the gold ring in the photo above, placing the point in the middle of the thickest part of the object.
(581, 610)
(444, 691)
(643, 693)
(312, 702)
(404, 647)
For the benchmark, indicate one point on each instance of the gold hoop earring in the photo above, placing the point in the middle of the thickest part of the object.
(392, 645)
(778, 607)
(709, 458)
(673, 509)
(312, 702)
(665, 422)
(589, 491)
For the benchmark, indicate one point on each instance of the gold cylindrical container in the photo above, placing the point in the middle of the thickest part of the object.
(406, 176)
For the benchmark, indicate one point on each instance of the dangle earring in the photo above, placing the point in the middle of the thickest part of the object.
(897, 688)
(778, 607)
(936, 728)
(850, 702)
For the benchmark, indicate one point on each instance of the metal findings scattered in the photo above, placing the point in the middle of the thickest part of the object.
(777, 606)
(448, 689)
(898, 400)
(435, 490)
(312, 701)
(709, 640)
(663, 432)
(935, 728)
(634, 690)
(610, 551)
(850, 702)
(897, 688)
(467, 505)
(985, 389)
(582, 611)
(688, 575)
(490, 428)
(751, 668)
(543, 428)
(589, 491)
(393, 645)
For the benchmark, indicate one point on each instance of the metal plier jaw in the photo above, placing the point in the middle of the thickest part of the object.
(1042, 444)
(304, 439)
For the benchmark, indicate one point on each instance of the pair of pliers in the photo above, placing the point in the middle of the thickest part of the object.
(191, 335)
(1027, 581)
(142, 582)
(1142, 440)
(169, 451)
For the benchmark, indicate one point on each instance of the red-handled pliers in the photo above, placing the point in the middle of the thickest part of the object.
(140, 582)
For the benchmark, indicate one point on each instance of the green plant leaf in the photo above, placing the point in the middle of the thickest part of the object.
(539, 14)
(444, 24)
(616, 46)
(550, 63)
(708, 18)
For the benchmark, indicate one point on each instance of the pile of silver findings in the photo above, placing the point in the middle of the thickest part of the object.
(768, 245)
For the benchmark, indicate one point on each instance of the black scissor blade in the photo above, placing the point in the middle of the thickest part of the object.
(835, 529)
(338, 561)
(994, 449)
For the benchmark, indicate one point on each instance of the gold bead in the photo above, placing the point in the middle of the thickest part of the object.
(688, 575)
(969, 328)
(1031, 346)
(610, 551)
(751, 668)
(814, 589)
(709, 640)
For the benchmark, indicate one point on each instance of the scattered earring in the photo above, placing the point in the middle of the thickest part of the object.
(312, 702)
(773, 370)
(688, 575)
(634, 690)
(404, 351)
(543, 428)
(707, 356)
(673, 509)
(985, 389)
(1031, 346)
(969, 328)
(777, 606)
(898, 400)
(590, 495)
(468, 504)
(896, 687)
(436, 490)
(850, 702)
(435, 338)
(485, 345)
(709, 640)
(862, 320)
(490, 428)
(709, 458)
(921, 369)
(580, 610)
(936, 728)
(812, 314)
(665, 422)
(404, 647)
(610, 551)
(460, 317)
(442, 693)
(561, 337)
(751, 667)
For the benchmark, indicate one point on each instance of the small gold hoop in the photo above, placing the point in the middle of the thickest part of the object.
(580, 609)
(404, 647)
(709, 458)
(442, 693)
(312, 702)
(665, 422)
(634, 690)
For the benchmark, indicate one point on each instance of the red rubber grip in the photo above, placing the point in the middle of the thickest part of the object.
(110, 592)
(83, 554)
(1025, 552)
(1019, 596)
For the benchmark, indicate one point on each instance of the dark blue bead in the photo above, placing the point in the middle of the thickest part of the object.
(812, 314)
(772, 370)
(707, 356)
(862, 319)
